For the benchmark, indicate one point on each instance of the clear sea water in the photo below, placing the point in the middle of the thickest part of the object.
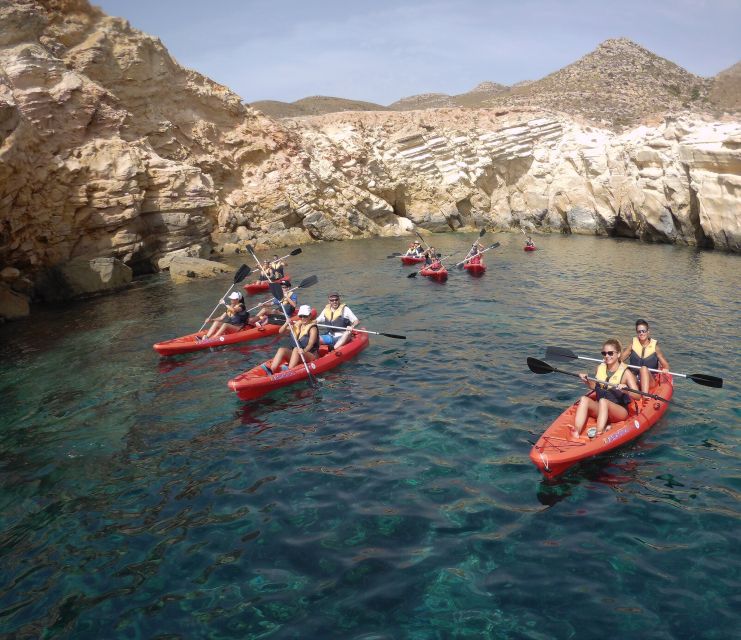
(139, 498)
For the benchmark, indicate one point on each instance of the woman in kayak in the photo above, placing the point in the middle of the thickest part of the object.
(611, 402)
(233, 319)
(289, 302)
(307, 335)
(276, 267)
(415, 249)
(529, 242)
(474, 255)
(338, 315)
(644, 353)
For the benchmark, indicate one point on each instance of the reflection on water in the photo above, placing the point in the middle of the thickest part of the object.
(139, 497)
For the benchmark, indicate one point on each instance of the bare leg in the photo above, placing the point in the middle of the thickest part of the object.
(609, 412)
(645, 379)
(296, 357)
(586, 407)
(342, 339)
(280, 356)
(216, 325)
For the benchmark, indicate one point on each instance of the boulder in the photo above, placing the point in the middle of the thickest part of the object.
(12, 304)
(183, 268)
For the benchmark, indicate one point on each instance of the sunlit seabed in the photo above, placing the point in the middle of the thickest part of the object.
(141, 498)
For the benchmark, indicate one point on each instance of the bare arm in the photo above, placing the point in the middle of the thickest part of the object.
(663, 363)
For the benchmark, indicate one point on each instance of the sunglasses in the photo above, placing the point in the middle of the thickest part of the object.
(641, 330)
(334, 299)
(607, 353)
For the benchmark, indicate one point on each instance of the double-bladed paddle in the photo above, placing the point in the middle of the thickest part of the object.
(538, 366)
(306, 282)
(699, 378)
(277, 292)
(240, 275)
(377, 333)
(489, 248)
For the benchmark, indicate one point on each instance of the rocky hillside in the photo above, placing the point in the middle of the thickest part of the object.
(313, 106)
(115, 157)
(725, 94)
(618, 84)
(473, 99)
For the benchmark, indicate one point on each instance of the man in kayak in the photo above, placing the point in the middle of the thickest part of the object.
(529, 242)
(644, 352)
(338, 315)
(611, 403)
(289, 302)
(233, 319)
(264, 271)
(307, 335)
(430, 256)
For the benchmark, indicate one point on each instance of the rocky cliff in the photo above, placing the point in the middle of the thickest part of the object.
(110, 149)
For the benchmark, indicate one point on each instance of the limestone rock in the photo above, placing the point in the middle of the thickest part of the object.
(12, 305)
(83, 276)
(183, 268)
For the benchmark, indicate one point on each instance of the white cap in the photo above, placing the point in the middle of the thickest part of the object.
(304, 310)
(234, 295)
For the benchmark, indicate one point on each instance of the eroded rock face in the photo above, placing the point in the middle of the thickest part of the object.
(110, 149)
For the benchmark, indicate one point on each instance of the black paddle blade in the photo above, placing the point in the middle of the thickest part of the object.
(295, 252)
(413, 274)
(494, 246)
(308, 282)
(481, 233)
(538, 366)
(242, 273)
(560, 353)
(393, 335)
(276, 290)
(705, 380)
(394, 255)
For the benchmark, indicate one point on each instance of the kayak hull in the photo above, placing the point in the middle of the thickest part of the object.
(556, 451)
(189, 344)
(411, 259)
(261, 285)
(475, 269)
(435, 274)
(526, 248)
(256, 382)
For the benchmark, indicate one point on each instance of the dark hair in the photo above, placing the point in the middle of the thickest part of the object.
(640, 322)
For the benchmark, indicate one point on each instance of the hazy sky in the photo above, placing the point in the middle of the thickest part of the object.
(383, 50)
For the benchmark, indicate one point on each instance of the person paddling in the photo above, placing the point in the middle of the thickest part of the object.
(529, 242)
(289, 301)
(611, 403)
(233, 319)
(338, 315)
(414, 250)
(307, 336)
(276, 268)
(644, 352)
(474, 255)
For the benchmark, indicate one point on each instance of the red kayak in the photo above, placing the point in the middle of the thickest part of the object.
(188, 344)
(440, 274)
(475, 268)
(412, 259)
(262, 285)
(257, 382)
(557, 450)
(529, 248)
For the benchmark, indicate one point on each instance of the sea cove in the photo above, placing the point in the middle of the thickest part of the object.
(140, 498)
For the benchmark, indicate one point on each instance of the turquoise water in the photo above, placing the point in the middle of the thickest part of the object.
(139, 498)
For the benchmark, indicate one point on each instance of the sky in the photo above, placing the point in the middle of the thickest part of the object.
(383, 50)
